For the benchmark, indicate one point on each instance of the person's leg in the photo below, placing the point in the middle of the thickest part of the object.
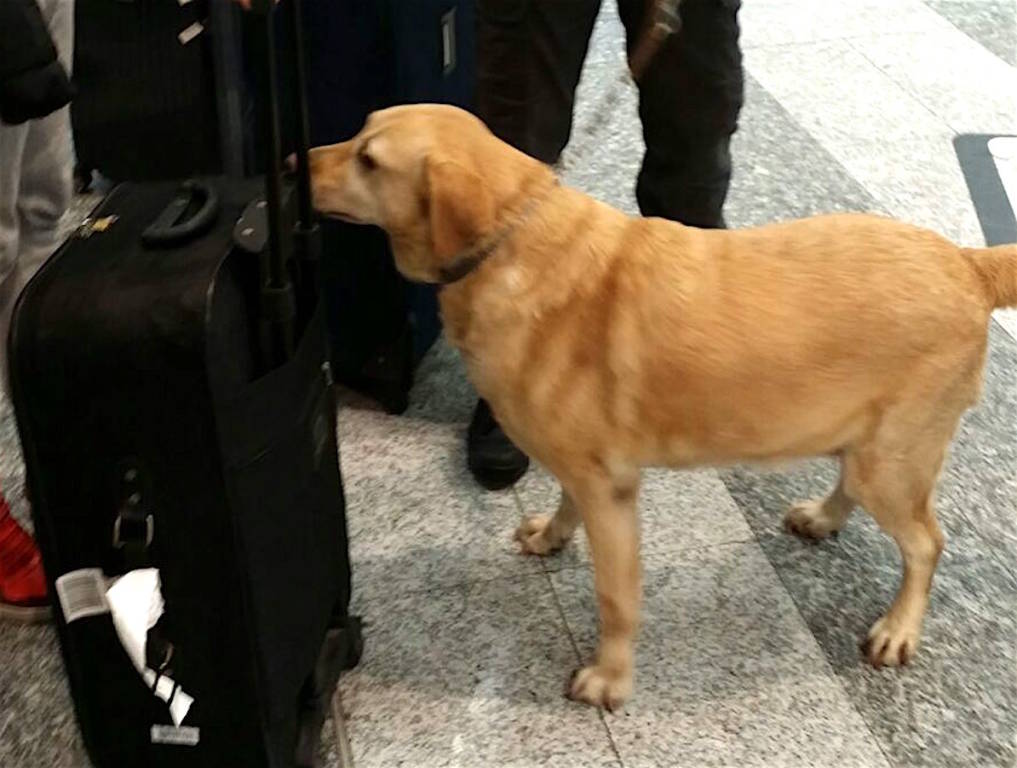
(529, 57)
(530, 54)
(12, 147)
(47, 166)
(689, 100)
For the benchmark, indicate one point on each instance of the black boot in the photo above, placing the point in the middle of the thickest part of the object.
(494, 461)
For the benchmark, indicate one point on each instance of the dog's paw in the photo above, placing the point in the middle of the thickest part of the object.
(810, 520)
(536, 536)
(891, 642)
(600, 687)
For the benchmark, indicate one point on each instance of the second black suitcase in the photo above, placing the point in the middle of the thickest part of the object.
(161, 89)
(365, 55)
(176, 413)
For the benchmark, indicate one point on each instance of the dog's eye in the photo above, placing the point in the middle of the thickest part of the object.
(367, 162)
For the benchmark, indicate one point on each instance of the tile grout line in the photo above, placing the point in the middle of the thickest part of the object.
(822, 650)
(914, 94)
(579, 661)
(568, 632)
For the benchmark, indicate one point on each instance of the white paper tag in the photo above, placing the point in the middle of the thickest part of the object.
(190, 33)
(82, 593)
(184, 735)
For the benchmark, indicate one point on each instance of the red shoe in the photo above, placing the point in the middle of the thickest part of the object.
(23, 594)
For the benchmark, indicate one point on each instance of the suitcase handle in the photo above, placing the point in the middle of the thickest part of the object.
(277, 295)
(170, 229)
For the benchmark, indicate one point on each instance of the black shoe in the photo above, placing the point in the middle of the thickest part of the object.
(494, 461)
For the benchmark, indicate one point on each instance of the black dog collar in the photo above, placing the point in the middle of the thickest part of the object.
(468, 261)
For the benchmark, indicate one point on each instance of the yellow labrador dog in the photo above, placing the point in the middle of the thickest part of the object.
(607, 343)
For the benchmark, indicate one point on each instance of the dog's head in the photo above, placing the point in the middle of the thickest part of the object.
(433, 177)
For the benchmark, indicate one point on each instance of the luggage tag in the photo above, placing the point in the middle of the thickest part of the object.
(82, 593)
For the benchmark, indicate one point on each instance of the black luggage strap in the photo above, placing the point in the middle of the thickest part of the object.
(278, 304)
(133, 533)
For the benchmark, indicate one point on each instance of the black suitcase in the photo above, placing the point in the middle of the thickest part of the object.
(174, 404)
(161, 87)
(365, 55)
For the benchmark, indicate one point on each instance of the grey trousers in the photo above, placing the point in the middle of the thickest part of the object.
(36, 182)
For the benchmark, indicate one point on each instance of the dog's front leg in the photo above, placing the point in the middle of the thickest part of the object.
(608, 510)
(543, 534)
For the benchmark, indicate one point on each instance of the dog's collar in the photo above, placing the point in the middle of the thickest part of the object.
(470, 259)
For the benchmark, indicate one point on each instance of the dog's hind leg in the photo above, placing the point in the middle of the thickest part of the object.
(897, 489)
(544, 534)
(818, 518)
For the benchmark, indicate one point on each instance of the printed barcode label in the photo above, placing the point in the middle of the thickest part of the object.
(82, 593)
(184, 735)
(190, 33)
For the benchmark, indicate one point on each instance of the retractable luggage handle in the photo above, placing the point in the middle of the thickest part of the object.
(278, 304)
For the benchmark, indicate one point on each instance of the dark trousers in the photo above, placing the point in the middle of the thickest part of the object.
(530, 55)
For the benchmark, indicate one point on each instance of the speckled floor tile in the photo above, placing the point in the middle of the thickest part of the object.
(956, 705)
(37, 725)
(993, 23)
(957, 79)
(678, 511)
(891, 143)
(781, 172)
(415, 516)
(468, 676)
(727, 672)
(788, 22)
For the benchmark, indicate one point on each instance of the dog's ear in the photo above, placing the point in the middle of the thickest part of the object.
(459, 205)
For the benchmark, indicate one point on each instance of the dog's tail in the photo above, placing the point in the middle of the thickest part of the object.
(998, 268)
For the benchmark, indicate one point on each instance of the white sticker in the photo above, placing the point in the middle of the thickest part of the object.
(448, 42)
(190, 33)
(82, 593)
(184, 735)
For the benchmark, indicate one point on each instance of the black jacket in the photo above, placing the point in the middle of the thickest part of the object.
(33, 83)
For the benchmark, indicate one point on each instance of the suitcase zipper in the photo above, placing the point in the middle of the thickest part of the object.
(90, 225)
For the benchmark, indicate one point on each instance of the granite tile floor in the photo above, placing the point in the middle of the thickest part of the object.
(749, 654)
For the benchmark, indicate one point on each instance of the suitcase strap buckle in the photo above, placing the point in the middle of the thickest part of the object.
(131, 529)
